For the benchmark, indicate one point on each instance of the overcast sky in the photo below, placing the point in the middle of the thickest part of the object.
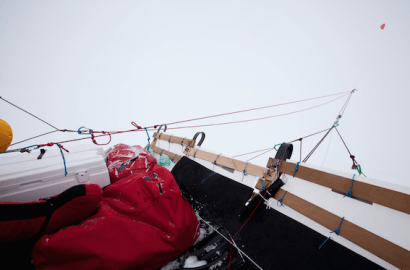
(102, 64)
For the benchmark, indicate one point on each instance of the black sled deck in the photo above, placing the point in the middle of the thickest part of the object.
(271, 239)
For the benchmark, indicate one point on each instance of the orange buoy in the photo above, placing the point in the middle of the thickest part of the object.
(6, 135)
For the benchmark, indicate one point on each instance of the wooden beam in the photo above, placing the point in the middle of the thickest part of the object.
(383, 196)
(231, 163)
(174, 139)
(371, 242)
(171, 155)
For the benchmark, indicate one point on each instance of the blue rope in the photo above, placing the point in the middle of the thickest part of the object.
(208, 177)
(148, 139)
(264, 186)
(337, 231)
(196, 151)
(349, 193)
(244, 171)
(65, 167)
(281, 199)
(173, 158)
(296, 169)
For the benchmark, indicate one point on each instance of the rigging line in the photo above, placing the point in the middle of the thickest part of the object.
(328, 146)
(256, 119)
(30, 114)
(343, 142)
(316, 146)
(259, 108)
(233, 243)
(34, 137)
(346, 103)
(252, 152)
(269, 149)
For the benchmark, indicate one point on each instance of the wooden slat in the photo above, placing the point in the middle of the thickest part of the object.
(230, 163)
(169, 154)
(175, 139)
(386, 197)
(371, 242)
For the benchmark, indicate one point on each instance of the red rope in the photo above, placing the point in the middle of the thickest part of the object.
(256, 119)
(259, 108)
(230, 256)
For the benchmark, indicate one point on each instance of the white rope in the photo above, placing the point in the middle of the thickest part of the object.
(233, 243)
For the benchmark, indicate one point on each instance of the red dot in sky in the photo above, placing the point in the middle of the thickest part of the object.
(383, 25)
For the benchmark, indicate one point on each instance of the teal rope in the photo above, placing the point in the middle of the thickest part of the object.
(296, 169)
(349, 193)
(337, 231)
(148, 139)
(281, 199)
(208, 177)
(65, 167)
(244, 171)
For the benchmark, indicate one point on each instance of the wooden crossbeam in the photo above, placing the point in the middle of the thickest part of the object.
(232, 164)
(171, 155)
(371, 242)
(383, 196)
(174, 139)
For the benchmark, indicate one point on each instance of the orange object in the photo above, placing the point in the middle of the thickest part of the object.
(6, 135)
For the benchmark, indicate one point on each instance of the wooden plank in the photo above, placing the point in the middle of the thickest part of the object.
(383, 196)
(171, 155)
(174, 139)
(229, 163)
(371, 242)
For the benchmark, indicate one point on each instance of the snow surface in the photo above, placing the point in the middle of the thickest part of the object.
(193, 262)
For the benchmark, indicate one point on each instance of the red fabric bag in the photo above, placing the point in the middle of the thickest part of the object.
(121, 154)
(22, 221)
(143, 222)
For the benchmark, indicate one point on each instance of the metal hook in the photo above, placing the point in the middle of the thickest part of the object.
(202, 138)
(159, 129)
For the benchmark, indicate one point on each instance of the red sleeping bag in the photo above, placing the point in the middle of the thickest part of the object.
(143, 222)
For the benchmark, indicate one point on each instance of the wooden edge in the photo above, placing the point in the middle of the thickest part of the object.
(171, 155)
(174, 139)
(232, 164)
(386, 197)
(371, 242)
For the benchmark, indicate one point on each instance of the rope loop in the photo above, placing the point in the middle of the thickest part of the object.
(95, 142)
(337, 231)
(61, 151)
(296, 169)
(349, 193)
(244, 171)
(135, 125)
(196, 151)
(281, 199)
(148, 138)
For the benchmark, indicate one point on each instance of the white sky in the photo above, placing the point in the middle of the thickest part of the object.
(102, 64)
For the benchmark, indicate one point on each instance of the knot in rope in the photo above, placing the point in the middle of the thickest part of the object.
(281, 199)
(135, 125)
(337, 231)
(349, 193)
(296, 169)
(62, 155)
